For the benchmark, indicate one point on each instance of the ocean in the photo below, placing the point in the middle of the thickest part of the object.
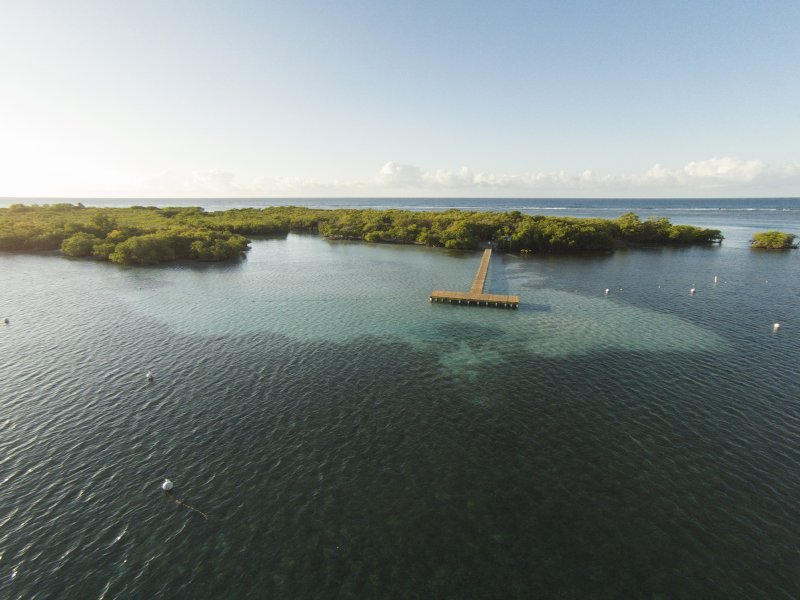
(345, 438)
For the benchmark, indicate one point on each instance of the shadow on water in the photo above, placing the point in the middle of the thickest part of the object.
(401, 480)
(591, 257)
(183, 265)
(364, 469)
(461, 254)
(674, 250)
(272, 237)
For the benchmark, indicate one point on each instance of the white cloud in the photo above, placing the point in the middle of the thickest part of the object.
(398, 175)
(659, 173)
(713, 174)
(725, 176)
(724, 170)
(451, 179)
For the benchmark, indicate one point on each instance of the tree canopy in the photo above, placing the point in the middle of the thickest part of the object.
(773, 240)
(141, 235)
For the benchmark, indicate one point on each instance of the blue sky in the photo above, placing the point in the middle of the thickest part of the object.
(350, 98)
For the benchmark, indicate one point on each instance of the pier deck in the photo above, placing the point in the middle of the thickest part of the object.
(476, 296)
(480, 277)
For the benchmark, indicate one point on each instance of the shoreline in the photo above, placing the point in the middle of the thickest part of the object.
(139, 235)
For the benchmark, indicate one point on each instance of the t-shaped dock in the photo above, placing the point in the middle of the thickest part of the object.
(475, 296)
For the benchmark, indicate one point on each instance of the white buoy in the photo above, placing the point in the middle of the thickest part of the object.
(608, 291)
(776, 326)
(692, 291)
(167, 485)
(716, 279)
(149, 376)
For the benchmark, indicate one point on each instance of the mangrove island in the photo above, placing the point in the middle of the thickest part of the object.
(146, 235)
(773, 240)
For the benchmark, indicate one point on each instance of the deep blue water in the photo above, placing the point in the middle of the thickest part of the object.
(348, 439)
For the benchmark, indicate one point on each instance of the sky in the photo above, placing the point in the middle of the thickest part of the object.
(351, 98)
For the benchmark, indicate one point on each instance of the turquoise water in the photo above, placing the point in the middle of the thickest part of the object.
(347, 438)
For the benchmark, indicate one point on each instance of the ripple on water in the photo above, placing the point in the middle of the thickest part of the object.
(372, 444)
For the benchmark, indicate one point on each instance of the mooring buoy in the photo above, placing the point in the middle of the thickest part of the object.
(167, 487)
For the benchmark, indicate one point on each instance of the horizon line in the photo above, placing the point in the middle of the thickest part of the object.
(490, 198)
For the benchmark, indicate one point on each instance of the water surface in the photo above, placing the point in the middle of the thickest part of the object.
(349, 439)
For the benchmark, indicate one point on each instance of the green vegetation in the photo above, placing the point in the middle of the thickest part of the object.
(511, 231)
(773, 240)
(129, 236)
(142, 235)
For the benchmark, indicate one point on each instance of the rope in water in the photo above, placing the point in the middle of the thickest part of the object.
(178, 501)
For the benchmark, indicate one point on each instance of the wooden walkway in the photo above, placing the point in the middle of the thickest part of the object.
(480, 277)
(475, 296)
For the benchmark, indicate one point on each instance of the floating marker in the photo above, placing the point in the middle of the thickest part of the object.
(6, 321)
(149, 376)
(608, 291)
(692, 291)
(776, 326)
(167, 487)
(715, 279)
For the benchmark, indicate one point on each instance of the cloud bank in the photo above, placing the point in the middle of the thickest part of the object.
(724, 176)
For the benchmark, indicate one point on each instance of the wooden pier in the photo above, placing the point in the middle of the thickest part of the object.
(475, 296)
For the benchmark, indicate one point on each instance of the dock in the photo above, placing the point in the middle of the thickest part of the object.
(476, 296)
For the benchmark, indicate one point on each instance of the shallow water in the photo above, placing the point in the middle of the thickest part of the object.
(349, 439)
